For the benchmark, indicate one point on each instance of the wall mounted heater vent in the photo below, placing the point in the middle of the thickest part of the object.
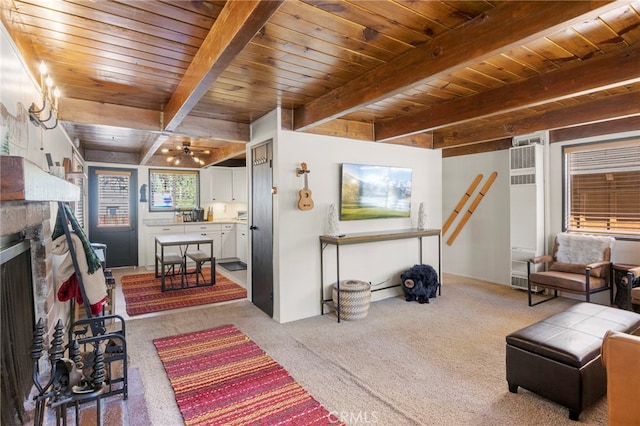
(522, 165)
(540, 138)
(526, 205)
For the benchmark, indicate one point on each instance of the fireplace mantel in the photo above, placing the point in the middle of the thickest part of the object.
(22, 180)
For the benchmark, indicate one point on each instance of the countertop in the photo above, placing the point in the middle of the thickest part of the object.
(165, 222)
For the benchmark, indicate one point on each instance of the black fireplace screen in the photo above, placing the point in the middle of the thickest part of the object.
(17, 325)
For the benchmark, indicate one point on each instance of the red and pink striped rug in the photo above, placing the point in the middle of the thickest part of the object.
(221, 377)
(142, 293)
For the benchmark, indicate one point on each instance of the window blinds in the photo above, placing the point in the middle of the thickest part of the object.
(113, 198)
(173, 189)
(604, 188)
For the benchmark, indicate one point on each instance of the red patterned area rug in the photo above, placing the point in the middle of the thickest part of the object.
(142, 293)
(221, 377)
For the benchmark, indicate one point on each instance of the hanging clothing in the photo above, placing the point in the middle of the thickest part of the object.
(93, 262)
(95, 286)
(70, 289)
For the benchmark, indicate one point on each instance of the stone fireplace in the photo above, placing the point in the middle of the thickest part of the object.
(27, 196)
(32, 221)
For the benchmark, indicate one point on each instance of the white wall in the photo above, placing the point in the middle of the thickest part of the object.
(18, 90)
(297, 249)
(481, 249)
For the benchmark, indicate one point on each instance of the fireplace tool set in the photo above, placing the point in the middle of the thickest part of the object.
(85, 374)
(95, 365)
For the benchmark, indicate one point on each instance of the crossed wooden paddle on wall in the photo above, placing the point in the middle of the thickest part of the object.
(472, 207)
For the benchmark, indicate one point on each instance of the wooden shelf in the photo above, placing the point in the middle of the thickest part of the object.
(22, 180)
(370, 237)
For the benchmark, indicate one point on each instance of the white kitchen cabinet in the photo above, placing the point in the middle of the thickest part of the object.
(221, 184)
(241, 242)
(210, 230)
(239, 184)
(228, 184)
(152, 232)
(222, 234)
(228, 240)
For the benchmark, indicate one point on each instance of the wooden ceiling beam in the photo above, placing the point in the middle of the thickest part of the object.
(356, 130)
(235, 27)
(599, 110)
(602, 109)
(79, 111)
(149, 150)
(216, 129)
(226, 152)
(111, 156)
(418, 140)
(507, 26)
(596, 74)
(628, 124)
(497, 145)
(339, 127)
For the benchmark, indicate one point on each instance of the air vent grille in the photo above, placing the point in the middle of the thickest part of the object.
(523, 179)
(518, 282)
(523, 157)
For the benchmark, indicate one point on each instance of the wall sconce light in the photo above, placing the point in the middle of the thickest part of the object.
(49, 107)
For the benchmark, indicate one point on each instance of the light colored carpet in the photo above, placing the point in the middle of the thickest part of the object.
(441, 363)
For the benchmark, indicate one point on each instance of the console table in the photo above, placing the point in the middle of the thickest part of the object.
(371, 237)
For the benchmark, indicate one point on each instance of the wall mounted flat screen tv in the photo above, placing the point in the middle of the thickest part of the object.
(373, 192)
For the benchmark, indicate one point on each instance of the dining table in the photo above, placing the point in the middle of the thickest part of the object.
(166, 261)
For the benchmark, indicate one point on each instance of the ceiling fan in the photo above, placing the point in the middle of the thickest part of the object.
(182, 151)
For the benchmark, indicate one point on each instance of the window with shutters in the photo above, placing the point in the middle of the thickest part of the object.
(173, 190)
(602, 188)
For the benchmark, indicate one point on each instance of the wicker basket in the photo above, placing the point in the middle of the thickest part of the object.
(355, 297)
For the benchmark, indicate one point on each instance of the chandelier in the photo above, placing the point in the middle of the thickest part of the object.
(184, 152)
(49, 108)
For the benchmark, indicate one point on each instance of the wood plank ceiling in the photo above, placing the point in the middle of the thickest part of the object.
(464, 76)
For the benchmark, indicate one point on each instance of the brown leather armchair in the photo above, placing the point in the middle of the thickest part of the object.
(580, 264)
(621, 359)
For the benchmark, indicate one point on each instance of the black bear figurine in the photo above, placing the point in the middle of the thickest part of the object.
(419, 283)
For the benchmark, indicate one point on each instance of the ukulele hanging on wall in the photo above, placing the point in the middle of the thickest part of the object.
(304, 202)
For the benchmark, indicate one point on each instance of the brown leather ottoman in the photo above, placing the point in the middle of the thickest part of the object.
(558, 358)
